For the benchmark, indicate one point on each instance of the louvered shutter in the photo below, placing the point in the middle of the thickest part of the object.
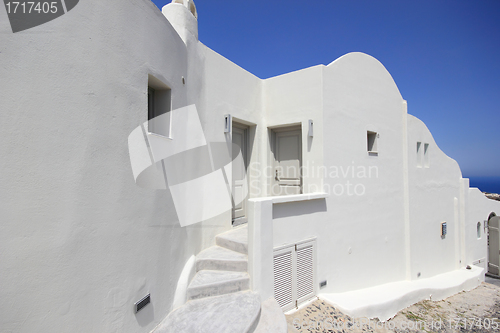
(294, 273)
(305, 271)
(283, 277)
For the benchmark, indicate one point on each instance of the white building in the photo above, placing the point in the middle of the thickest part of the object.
(344, 186)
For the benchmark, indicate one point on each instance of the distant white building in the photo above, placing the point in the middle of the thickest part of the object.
(118, 168)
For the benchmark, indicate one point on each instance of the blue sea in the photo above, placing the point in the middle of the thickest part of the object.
(486, 184)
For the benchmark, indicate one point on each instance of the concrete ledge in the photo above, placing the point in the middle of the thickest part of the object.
(385, 301)
(293, 198)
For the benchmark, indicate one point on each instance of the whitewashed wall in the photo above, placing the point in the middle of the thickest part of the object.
(360, 96)
(478, 210)
(295, 98)
(80, 242)
(435, 197)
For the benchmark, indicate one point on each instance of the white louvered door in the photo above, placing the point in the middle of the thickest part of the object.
(305, 271)
(283, 277)
(294, 273)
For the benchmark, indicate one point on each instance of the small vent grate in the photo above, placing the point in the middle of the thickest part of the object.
(142, 303)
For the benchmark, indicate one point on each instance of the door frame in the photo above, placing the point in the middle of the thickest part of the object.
(245, 154)
(273, 161)
(493, 245)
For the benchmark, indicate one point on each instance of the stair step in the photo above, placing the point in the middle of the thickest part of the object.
(238, 312)
(222, 259)
(208, 283)
(236, 239)
(272, 319)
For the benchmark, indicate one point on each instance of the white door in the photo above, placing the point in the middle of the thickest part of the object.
(494, 246)
(239, 181)
(305, 271)
(287, 153)
(284, 277)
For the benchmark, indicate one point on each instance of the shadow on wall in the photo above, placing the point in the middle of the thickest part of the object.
(145, 316)
(289, 209)
(491, 215)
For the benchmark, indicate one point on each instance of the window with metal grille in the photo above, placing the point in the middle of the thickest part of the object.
(294, 273)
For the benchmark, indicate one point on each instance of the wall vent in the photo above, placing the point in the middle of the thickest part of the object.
(142, 303)
(444, 230)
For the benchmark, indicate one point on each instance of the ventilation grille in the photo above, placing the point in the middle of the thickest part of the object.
(305, 276)
(283, 275)
(294, 274)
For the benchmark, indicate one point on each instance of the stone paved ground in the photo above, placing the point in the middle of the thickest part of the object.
(475, 311)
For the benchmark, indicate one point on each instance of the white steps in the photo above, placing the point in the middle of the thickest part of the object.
(236, 240)
(218, 299)
(219, 258)
(221, 269)
(232, 313)
(207, 283)
(272, 319)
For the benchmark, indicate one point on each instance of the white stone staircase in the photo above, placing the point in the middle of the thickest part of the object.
(222, 269)
(218, 297)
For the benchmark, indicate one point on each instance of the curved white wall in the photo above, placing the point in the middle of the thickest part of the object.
(357, 235)
(80, 242)
(435, 197)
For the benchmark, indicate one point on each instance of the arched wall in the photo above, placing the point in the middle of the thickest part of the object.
(436, 195)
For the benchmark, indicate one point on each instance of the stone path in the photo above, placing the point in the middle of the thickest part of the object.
(475, 311)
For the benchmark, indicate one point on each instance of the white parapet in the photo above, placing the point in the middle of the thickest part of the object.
(260, 246)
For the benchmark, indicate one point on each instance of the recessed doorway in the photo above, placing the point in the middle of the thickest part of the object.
(286, 143)
(239, 182)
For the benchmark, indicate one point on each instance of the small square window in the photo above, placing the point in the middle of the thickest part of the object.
(372, 138)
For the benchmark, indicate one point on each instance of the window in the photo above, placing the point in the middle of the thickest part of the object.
(192, 9)
(419, 154)
(151, 103)
(423, 159)
(478, 227)
(426, 155)
(372, 142)
(159, 107)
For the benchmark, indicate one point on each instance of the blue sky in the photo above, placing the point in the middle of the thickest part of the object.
(443, 54)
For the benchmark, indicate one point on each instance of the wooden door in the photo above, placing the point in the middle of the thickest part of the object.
(287, 153)
(494, 246)
(239, 174)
